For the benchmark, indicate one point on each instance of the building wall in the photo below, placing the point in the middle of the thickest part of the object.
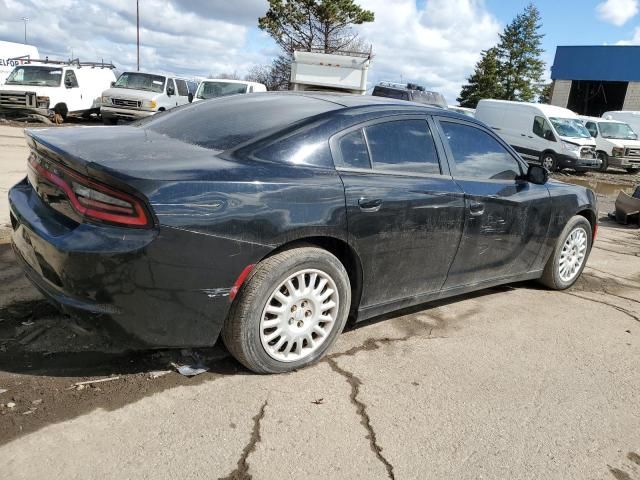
(632, 99)
(560, 95)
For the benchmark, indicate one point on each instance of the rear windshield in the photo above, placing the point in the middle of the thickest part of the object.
(227, 122)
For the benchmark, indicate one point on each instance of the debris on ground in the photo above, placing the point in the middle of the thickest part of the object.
(82, 385)
(11, 405)
(159, 373)
(190, 370)
(3, 390)
(319, 401)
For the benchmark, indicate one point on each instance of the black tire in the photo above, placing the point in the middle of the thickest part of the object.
(551, 275)
(109, 120)
(633, 171)
(605, 161)
(62, 110)
(241, 331)
(549, 161)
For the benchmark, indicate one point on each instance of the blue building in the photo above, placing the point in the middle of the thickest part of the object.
(591, 80)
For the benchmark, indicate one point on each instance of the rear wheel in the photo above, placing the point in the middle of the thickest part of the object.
(289, 311)
(109, 120)
(569, 256)
(604, 158)
(548, 161)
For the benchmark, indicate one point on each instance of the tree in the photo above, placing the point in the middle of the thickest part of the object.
(484, 82)
(275, 76)
(519, 51)
(545, 93)
(310, 24)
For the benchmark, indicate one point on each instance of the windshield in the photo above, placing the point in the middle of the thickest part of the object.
(620, 131)
(141, 81)
(28, 75)
(570, 127)
(220, 89)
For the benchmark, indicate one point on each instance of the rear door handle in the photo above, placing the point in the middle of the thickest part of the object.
(369, 204)
(476, 209)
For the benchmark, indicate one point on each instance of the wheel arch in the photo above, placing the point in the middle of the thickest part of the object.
(342, 251)
(591, 217)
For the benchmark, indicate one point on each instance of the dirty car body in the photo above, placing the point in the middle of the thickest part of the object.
(154, 225)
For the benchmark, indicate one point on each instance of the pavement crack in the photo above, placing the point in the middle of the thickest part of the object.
(602, 302)
(355, 383)
(242, 470)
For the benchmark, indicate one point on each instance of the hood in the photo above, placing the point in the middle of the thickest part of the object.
(39, 90)
(130, 94)
(617, 142)
(583, 142)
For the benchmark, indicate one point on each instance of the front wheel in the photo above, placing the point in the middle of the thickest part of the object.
(548, 161)
(570, 254)
(289, 312)
(604, 158)
(633, 170)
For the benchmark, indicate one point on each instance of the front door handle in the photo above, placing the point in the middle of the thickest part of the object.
(369, 204)
(476, 209)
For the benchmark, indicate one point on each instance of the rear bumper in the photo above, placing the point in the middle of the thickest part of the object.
(125, 113)
(153, 284)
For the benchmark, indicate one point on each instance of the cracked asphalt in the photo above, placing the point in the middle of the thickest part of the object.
(514, 382)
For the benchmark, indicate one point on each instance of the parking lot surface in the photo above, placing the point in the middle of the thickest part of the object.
(512, 382)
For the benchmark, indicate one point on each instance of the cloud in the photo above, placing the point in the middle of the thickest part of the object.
(617, 12)
(635, 40)
(177, 36)
(436, 45)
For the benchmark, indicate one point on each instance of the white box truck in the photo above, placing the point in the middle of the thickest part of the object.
(340, 71)
(9, 53)
(546, 134)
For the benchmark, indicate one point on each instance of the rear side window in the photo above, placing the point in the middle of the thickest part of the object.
(403, 146)
(478, 155)
(181, 85)
(353, 150)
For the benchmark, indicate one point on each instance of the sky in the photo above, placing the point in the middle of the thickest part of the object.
(435, 43)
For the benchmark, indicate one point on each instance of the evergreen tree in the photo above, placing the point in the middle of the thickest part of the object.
(545, 93)
(519, 51)
(484, 82)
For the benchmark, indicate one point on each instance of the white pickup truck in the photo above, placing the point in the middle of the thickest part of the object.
(48, 88)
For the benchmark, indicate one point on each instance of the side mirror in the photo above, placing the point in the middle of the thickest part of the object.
(170, 91)
(537, 174)
(113, 84)
(190, 97)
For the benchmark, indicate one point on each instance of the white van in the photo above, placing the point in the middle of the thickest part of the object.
(617, 144)
(47, 87)
(137, 95)
(14, 54)
(553, 136)
(627, 116)
(214, 87)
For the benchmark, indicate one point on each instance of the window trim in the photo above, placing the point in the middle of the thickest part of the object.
(336, 154)
(524, 166)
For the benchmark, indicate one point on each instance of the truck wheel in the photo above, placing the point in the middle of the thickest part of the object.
(605, 161)
(633, 170)
(569, 256)
(289, 311)
(548, 161)
(60, 112)
(109, 120)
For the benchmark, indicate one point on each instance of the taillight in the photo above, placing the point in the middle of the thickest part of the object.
(90, 199)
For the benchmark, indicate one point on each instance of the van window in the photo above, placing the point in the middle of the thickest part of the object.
(478, 155)
(542, 129)
(170, 83)
(183, 90)
(32, 75)
(70, 80)
(593, 128)
(403, 146)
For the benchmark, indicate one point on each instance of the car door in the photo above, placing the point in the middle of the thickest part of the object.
(182, 92)
(73, 93)
(506, 217)
(404, 211)
(173, 98)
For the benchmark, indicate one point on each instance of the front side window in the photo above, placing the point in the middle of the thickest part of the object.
(353, 150)
(478, 155)
(404, 146)
(70, 80)
(542, 128)
(181, 85)
(41, 76)
(141, 81)
(592, 128)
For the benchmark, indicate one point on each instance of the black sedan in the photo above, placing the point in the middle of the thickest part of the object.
(271, 218)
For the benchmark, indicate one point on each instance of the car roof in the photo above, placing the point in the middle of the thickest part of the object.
(598, 119)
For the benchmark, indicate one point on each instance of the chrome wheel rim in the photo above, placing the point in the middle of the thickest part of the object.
(547, 162)
(299, 315)
(574, 251)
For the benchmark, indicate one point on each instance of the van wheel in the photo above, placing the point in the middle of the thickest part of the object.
(548, 161)
(633, 170)
(605, 161)
(289, 311)
(61, 110)
(109, 120)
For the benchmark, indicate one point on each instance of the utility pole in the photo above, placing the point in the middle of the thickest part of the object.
(137, 30)
(25, 20)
